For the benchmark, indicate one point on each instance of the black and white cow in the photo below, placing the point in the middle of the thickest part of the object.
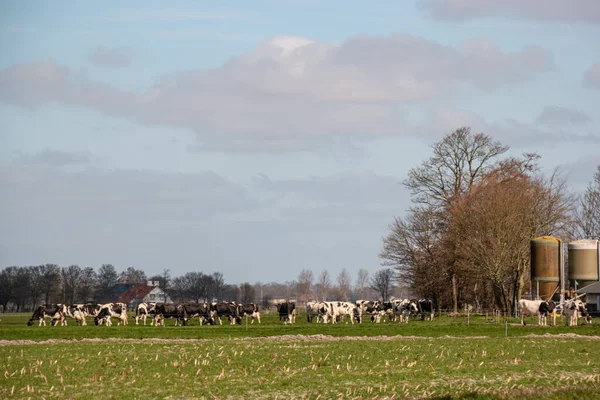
(143, 311)
(112, 310)
(164, 311)
(226, 309)
(574, 309)
(76, 311)
(200, 310)
(313, 310)
(56, 313)
(366, 307)
(287, 312)
(425, 309)
(541, 308)
(338, 310)
(403, 309)
(251, 310)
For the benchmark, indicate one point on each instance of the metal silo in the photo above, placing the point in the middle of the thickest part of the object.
(583, 263)
(546, 253)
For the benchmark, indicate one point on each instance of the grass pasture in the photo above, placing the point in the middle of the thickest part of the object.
(440, 359)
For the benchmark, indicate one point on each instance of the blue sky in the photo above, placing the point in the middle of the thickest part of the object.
(263, 138)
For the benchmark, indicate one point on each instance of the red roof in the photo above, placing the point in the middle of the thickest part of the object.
(138, 291)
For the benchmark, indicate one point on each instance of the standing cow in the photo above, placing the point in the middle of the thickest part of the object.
(287, 312)
(574, 309)
(540, 308)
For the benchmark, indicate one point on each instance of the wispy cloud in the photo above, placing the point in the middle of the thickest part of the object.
(111, 58)
(583, 11)
(176, 15)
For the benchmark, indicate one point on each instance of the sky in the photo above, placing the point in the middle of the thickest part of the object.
(262, 138)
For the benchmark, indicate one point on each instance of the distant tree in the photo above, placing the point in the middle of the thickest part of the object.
(587, 216)
(323, 285)
(247, 293)
(305, 280)
(36, 284)
(71, 277)
(382, 282)
(178, 289)
(132, 275)
(218, 285)
(88, 281)
(50, 283)
(343, 285)
(8, 282)
(21, 294)
(362, 283)
(107, 279)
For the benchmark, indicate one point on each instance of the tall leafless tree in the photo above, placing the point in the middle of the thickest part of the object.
(324, 284)
(362, 283)
(382, 282)
(343, 285)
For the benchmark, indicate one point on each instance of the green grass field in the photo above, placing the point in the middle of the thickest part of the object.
(443, 358)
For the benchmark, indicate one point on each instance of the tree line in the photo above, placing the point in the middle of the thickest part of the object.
(466, 236)
(23, 288)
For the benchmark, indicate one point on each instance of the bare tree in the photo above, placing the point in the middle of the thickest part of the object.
(587, 215)
(70, 281)
(87, 284)
(362, 283)
(247, 293)
(304, 284)
(382, 282)
(343, 284)
(323, 285)
(107, 279)
(459, 161)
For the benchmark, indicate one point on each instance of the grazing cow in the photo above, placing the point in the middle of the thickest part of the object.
(315, 309)
(425, 309)
(403, 308)
(200, 310)
(251, 310)
(229, 310)
(540, 308)
(145, 310)
(114, 310)
(76, 311)
(56, 313)
(339, 310)
(372, 308)
(287, 312)
(164, 311)
(573, 310)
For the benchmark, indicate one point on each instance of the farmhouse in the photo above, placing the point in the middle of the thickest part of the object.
(592, 296)
(148, 292)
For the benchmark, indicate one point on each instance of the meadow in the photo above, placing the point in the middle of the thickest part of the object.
(441, 359)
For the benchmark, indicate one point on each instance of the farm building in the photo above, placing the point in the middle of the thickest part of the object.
(148, 292)
(592, 296)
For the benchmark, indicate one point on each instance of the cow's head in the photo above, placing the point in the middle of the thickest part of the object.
(551, 305)
(30, 322)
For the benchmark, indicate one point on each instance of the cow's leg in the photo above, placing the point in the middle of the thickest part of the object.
(523, 319)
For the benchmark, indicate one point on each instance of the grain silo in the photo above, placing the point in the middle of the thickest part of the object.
(583, 263)
(546, 254)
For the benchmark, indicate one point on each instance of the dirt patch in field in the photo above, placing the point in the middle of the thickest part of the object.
(282, 338)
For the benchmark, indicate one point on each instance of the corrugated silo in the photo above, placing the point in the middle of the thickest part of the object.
(583, 262)
(545, 265)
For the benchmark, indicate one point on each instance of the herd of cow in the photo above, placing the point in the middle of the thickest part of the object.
(572, 309)
(318, 311)
(211, 313)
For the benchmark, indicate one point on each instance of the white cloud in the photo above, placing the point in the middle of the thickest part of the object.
(56, 158)
(554, 115)
(586, 11)
(289, 92)
(110, 58)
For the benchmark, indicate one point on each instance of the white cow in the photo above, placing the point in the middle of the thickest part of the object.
(540, 308)
(337, 309)
(115, 310)
(144, 310)
(574, 309)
